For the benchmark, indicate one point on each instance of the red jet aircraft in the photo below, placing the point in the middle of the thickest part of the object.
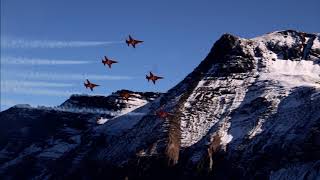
(162, 114)
(107, 61)
(133, 42)
(153, 78)
(90, 85)
(125, 95)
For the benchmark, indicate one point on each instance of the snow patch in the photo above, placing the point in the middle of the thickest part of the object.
(102, 120)
(292, 74)
(316, 44)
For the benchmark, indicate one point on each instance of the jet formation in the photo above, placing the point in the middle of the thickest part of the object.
(106, 61)
(126, 95)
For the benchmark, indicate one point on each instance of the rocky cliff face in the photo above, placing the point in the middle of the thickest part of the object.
(251, 109)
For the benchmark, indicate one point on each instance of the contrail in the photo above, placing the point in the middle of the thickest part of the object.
(21, 43)
(22, 84)
(33, 91)
(36, 61)
(34, 87)
(65, 76)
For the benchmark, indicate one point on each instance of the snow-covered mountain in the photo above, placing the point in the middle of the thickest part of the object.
(250, 110)
(48, 134)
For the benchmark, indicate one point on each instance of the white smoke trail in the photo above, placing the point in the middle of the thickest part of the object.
(35, 91)
(35, 61)
(35, 88)
(66, 76)
(21, 43)
(22, 84)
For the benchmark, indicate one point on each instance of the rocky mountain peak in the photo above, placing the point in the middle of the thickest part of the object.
(231, 103)
(113, 102)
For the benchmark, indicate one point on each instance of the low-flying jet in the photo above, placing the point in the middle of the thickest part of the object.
(153, 78)
(162, 114)
(90, 85)
(125, 95)
(133, 42)
(107, 61)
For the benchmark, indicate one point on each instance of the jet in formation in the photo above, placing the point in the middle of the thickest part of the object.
(90, 85)
(133, 42)
(125, 95)
(163, 114)
(107, 61)
(153, 77)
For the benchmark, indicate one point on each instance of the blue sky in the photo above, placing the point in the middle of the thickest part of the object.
(42, 62)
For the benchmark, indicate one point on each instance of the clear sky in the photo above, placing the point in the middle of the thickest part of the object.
(49, 47)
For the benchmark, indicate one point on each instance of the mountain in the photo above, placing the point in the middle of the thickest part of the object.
(250, 110)
(47, 134)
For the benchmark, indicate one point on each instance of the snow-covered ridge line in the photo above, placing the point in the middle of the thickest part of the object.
(289, 73)
(67, 109)
(130, 105)
(86, 110)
